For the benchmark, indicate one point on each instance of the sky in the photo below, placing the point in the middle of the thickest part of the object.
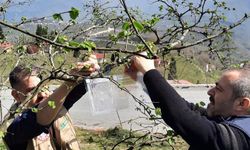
(40, 8)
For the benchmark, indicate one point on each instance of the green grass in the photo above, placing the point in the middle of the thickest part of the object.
(106, 140)
(99, 140)
(191, 71)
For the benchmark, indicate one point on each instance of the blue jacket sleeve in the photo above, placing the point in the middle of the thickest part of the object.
(22, 129)
(77, 92)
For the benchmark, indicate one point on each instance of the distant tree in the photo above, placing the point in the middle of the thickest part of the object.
(52, 35)
(41, 31)
(1, 34)
(172, 69)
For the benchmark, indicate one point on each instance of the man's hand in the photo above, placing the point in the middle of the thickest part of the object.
(142, 64)
(46, 115)
(86, 68)
(139, 64)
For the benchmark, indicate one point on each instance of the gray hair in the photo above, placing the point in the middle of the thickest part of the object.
(241, 86)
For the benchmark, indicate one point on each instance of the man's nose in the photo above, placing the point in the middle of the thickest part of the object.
(211, 91)
(42, 94)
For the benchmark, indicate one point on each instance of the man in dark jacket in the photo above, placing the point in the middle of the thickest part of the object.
(44, 129)
(224, 125)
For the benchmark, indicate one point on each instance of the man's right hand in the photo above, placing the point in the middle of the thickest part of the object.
(142, 64)
(139, 64)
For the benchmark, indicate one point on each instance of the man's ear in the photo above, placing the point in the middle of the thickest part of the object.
(15, 94)
(244, 104)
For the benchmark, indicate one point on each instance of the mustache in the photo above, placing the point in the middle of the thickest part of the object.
(211, 98)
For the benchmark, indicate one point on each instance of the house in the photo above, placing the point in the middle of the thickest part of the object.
(100, 57)
(6, 47)
(32, 48)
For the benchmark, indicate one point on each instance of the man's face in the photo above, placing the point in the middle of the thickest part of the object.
(29, 83)
(221, 98)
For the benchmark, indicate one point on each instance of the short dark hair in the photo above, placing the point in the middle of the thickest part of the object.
(17, 74)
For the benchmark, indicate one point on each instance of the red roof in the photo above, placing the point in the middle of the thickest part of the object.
(99, 55)
(5, 45)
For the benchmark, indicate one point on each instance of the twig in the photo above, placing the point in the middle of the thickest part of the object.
(137, 32)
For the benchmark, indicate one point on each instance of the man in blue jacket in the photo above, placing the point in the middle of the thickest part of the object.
(42, 129)
(224, 125)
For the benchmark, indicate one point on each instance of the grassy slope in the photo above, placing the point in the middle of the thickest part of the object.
(100, 140)
(189, 70)
(193, 72)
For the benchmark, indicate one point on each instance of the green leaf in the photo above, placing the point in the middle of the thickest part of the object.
(158, 111)
(33, 109)
(138, 26)
(62, 39)
(170, 10)
(92, 44)
(224, 18)
(23, 19)
(171, 141)
(60, 60)
(73, 44)
(161, 7)
(18, 110)
(83, 46)
(113, 37)
(73, 13)
(202, 103)
(140, 46)
(52, 104)
(125, 26)
(121, 34)
(1, 134)
(170, 133)
(57, 17)
(21, 49)
(87, 45)
(66, 50)
(154, 21)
